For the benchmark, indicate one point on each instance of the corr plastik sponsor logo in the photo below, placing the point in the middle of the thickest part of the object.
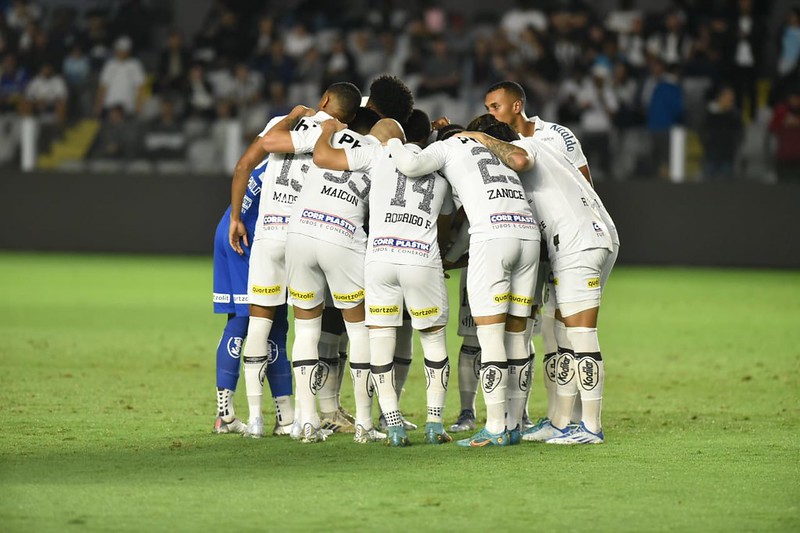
(510, 218)
(406, 244)
(275, 219)
(327, 218)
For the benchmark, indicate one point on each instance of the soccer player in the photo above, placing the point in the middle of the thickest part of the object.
(230, 297)
(505, 101)
(582, 253)
(504, 252)
(403, 266)
(325, 246)
(288, 141)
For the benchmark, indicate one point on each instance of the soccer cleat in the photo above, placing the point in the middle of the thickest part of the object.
(255, 428)
(295, 432)
(527, 423)
(483, 438)
(435, 433)
(280, 430)
(408, 426)
(363, 435)
(540, 431)
(397, 437)
(350, 418)
(312, 434)
(514, 436)
(234, 426)
(465, 422)
(577, 435)
(337, 423)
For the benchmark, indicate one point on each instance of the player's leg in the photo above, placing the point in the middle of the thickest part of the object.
(333, 416)
(425, 294)
(489, 288)
(306, 283)
(384, 305)
(344, 272)
(469, 360)
(266, 291)
(279, 373)
(523, 278)
(230, 344)
(578, 311)
(403, 353)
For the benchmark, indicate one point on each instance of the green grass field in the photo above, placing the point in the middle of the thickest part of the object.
(107, 402)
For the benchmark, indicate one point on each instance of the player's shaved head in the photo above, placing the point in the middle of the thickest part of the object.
(345, 99)
(513, 89)
(391, 98)
(365, 119)
(418, 127)
(387, 128)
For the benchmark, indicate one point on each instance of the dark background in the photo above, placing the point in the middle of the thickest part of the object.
(747, 225)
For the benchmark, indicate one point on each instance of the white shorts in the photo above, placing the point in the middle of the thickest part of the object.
(266, 281)
(502, 276)
(578, 279)
(312, 263)
(420, 287)
(466, 324)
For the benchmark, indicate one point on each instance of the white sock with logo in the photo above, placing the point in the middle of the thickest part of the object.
(549, 361)
(494, 375)
(382, 349)
(254, 358)
(225, 405)
(437, 371)
(566, 384)
(329, 361)
(469, 371)
(518, 374)
(343, 342)
(590, 374)
(403, 352)
(360, 371)
(308, 376)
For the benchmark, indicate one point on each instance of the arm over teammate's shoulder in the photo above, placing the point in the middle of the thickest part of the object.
(414, 165)
(290, 134)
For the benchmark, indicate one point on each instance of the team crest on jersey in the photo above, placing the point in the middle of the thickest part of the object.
(588, 373)
(490, 378)
(235, 347)
(597, 229)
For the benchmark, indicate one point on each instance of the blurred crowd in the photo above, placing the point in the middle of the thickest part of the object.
(612, 76)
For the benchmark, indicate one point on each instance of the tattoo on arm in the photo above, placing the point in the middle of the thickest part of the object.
(502, 150)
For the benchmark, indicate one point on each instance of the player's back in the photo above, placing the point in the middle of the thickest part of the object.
(284, 177)
(403, 212)
(491, 193)
(566, 214)
(333, 204)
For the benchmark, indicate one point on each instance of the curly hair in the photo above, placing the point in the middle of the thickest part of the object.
(391, 98)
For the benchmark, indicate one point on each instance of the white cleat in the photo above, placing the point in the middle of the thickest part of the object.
(255, 428)
(234, 426)
(312, 434)
(337, 422)
(577, 435)
(363, 435)
(281, 430)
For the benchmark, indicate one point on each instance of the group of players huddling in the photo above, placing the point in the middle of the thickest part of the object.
(352, 216)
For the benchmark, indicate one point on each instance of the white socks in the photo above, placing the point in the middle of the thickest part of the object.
(284, 410)
(549, 361)
(518, 375)
(566, 385)
(255, 355)
(308, 375)
(590, 374)
(469, 363)
(437, 371)
(494, 375)
(382, 343)
(403, 352)
(329, 364)
(360, 371)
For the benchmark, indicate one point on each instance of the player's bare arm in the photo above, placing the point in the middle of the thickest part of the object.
(241, 174)
(514, 157)
(411, 164)
(278, 140)
(325, 155)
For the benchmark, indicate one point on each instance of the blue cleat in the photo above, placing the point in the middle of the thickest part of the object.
(483, 438)
(397, 437)
(514, 436)
(435, 433)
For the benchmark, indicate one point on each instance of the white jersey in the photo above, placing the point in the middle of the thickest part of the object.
(559, 138)
(402, 213)
(490, 192)
(333, 203)
(284, 177)
(567, 217)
